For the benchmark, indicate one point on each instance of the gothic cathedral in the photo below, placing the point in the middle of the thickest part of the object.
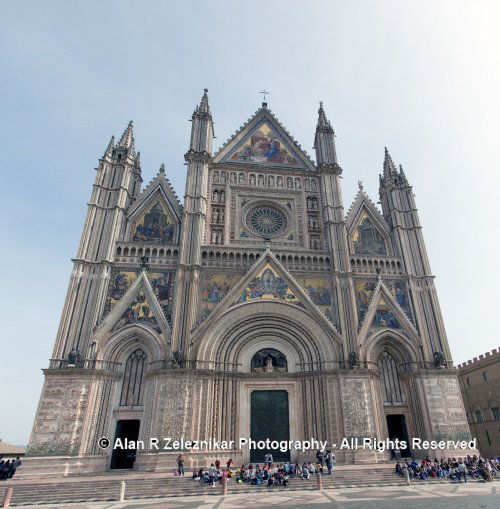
(257, 308)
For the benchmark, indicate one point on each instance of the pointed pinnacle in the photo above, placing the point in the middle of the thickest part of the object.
(162, 168)
(323, 122)
(137, 162)
(389, 166)
(203, 108)
(127, 139)
(111, 145)
(401, 172)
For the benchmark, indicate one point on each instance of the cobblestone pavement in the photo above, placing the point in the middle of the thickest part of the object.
(417, 496)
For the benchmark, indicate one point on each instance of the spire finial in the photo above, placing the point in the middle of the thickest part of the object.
(389, 167)
(110, 147)
(127, 139)
(401, 172)
(360, 185)
(203, 109)
(162, 168)
(323, 122)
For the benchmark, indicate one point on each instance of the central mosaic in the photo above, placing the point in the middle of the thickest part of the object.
(266, 221)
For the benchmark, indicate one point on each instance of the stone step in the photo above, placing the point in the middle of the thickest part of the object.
(81, 489)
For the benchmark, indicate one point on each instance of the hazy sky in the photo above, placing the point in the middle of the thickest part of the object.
(420, 77)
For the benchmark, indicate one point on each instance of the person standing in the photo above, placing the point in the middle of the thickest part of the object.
(329, 461)
(180, 464)
(406, 474)
(461, 470)
(212, 474)
(319, 457)
(269, 460)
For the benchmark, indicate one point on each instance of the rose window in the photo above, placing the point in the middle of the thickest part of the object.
(266, 221)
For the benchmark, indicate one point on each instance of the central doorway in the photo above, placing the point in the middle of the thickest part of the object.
(396, 426)
(269, 419)
(125, 430)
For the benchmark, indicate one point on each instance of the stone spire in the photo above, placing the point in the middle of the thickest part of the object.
(202, 129)
(127, 139)
(323, 123)
(402, 173)
(203, 109)
(109, 150)
(324, 140)
(389, 166)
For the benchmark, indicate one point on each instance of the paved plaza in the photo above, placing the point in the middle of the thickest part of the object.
(417, 496)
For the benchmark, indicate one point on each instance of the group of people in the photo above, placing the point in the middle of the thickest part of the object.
(451, 468)
(8, 468)
(268, 473)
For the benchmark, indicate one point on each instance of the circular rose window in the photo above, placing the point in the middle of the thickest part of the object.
(266, 221)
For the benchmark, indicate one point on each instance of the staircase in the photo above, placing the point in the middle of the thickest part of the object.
(140, 485)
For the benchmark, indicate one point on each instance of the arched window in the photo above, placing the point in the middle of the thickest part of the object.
(478, 414)
(495, 412)
(391, 389)
(132, 388)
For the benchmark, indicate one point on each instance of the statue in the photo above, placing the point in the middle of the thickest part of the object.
(439, 360)
(353, 360)
(73, 358)
(176, 361)
(269, 364)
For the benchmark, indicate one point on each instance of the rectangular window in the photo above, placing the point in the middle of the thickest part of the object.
(479, 415)
(468, 381)
(485, 375)
(496, 413)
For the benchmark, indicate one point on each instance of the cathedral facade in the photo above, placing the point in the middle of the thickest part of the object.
(256, 309)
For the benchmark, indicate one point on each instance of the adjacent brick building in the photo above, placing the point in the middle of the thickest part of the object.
(480, 385)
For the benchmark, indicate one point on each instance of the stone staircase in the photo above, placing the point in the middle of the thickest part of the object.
(140, 485)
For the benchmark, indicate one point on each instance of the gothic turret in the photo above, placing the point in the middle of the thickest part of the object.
(118, 182)
(324, 141)
(400, 212)
(202, 130)
(194, 215)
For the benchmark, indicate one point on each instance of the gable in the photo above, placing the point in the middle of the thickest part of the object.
(384, 312)
(138, 312)
(367, 238)
(268, 284)
(365, 290)
(264, 142)
(153, 223)
(133, 299)
(267, 280)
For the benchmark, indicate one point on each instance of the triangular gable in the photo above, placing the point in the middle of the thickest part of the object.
(268, 284)
(367, 229)
(140, 306)
(156, 215)
(269, 280)
(385, 313)
(263, 141)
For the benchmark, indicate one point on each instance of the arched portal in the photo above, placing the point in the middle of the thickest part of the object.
(266, 346)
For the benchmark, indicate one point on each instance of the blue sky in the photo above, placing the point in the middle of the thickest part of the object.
(420, 77)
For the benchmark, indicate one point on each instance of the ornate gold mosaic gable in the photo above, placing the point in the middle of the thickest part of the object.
(262, 145)
(367, 239)
(268, 285)
(155, 224)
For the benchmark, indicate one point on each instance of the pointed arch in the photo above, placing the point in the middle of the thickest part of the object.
(133, 376)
